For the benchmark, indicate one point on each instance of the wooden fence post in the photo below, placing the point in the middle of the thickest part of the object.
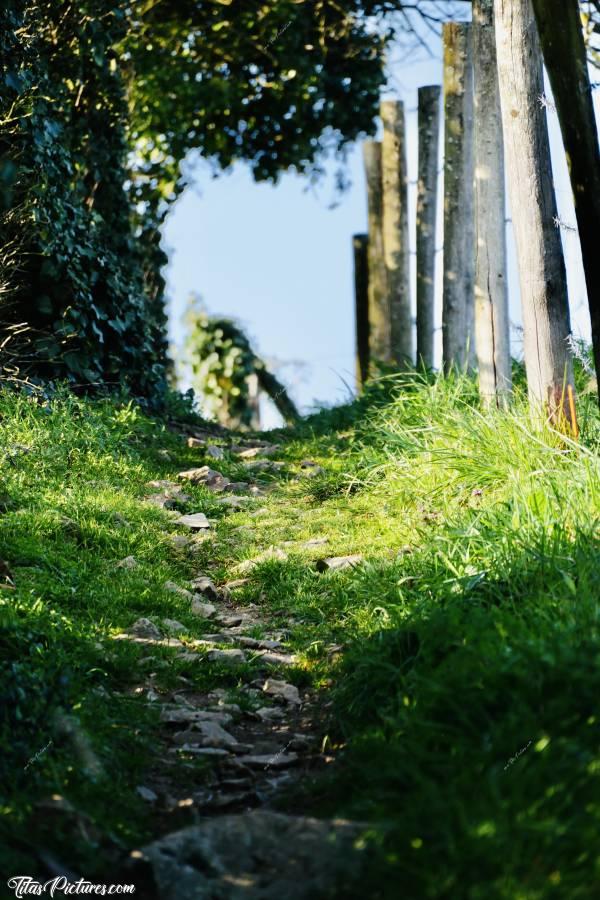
(360, 246)
(429, 131)
(379, 311)
(395, 230)
(492, 328)
(542, 274)
(459, 243)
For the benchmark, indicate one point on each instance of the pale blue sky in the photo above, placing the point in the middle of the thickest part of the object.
(279, 260)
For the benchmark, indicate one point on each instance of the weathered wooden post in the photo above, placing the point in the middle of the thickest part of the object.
(459, 243)
(561, 36)
(360, 246)
(429, 131)
(379, 311)
(542, 275)
(395, 230)
(492, 328)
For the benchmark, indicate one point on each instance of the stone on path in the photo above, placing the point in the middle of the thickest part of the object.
(275, 659)
(205, 585)
(207, 734)
(204, 475)
(215, 452)
(279, 760)
(173, 588)
(204, 610)
(170, 494)
(195, 521)
(258, 643)
(144, 628)
(230, 621)
(253, 452)
(184, 714)
(229, 657)
(146, 794)
(173, 625)
(335, 563)
(201, 751)
(282, 689)
(130, 562)
(258, 855)
(264, 465)
(233, 502)
(237, 486)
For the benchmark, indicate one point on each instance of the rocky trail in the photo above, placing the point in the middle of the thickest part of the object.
(219, 835)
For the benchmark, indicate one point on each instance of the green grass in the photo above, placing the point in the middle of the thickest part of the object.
(464, 712)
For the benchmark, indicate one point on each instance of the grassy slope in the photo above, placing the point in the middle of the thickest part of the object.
(469, 634)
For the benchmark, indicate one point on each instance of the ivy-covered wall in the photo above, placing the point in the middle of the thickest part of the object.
(70, 256)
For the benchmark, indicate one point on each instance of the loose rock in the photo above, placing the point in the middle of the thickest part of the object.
(144, 628)
(204, 610)
(233, 502)
(202, 751)
(195, 521)
(205, 585)
(229, 657)
(334, 563)
(173, 588)
(173, 625)
(207, 734)
(178, 714)
(259, 855)
(253, 452)
(206, 476)
(287, 692)
(278, 760)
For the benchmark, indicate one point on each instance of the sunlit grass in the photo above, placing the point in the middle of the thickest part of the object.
(470, 631)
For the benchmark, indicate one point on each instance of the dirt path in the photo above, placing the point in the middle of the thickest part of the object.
(219, 836)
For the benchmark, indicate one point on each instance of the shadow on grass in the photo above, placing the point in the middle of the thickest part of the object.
(471, 733)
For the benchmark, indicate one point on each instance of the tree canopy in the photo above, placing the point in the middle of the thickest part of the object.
(101, 101)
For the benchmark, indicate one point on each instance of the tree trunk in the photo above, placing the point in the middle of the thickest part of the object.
(379, 310)
(492, 331)
(457, 313)
(429, 132)
(559, 25)
(395, 230)
(268, 383)
(542, 273)
(360, 245)
(254, 401)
